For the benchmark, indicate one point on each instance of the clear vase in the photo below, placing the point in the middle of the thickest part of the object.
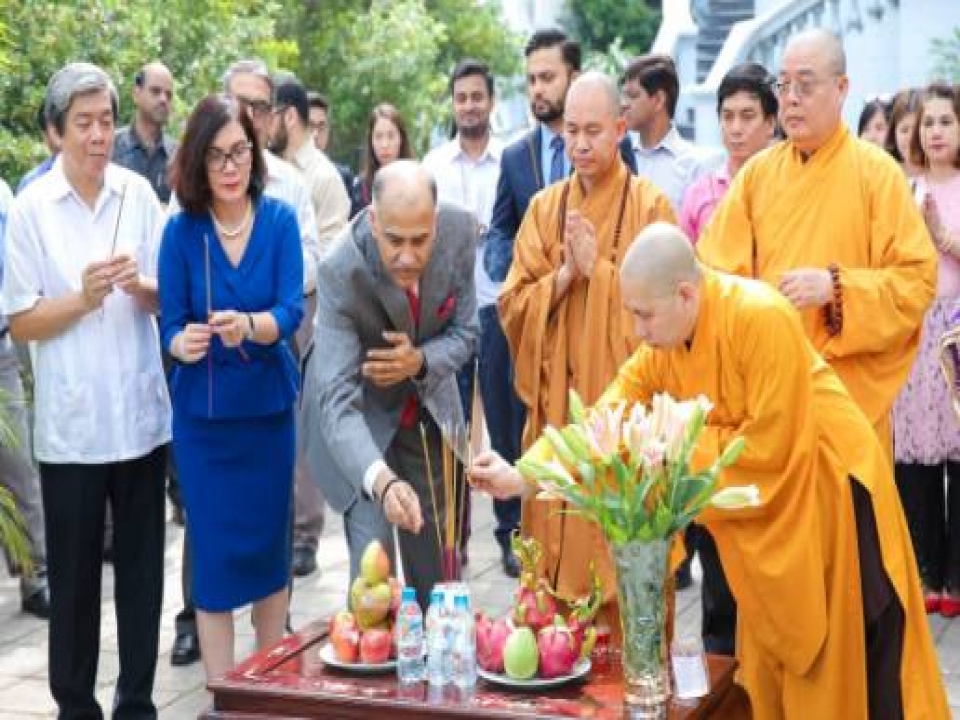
(641, 580)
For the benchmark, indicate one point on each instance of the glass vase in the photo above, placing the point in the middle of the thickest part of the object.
(641, 579)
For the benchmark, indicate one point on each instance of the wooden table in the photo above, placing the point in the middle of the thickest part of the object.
(290, 682)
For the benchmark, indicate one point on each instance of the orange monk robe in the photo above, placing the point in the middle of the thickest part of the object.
(579, 345)
(848, 204)
(792, 563)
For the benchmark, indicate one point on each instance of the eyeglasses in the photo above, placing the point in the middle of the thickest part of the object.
(258, 108)
(239, 155)
(801, 89)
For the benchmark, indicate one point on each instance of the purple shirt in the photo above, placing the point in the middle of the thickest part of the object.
(701, 199)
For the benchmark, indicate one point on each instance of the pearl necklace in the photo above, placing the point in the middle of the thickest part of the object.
(231, 233)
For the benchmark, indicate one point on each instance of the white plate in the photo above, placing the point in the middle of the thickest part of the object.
(329, 657)
(579, 670)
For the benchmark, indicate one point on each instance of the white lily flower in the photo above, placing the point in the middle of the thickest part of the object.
(736, 498)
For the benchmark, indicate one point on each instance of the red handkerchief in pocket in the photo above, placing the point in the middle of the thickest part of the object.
(447, 307)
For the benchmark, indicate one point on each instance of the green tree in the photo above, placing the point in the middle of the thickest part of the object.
(946, 54)
(598, 24)
(196, 40)
(363, 53)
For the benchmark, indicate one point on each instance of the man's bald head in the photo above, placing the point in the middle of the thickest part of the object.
(403, 183)
(659, 260)
(592, 127)
(153, 94)
(595, 87)
(825, 45)
(812, 85)
(660, 286)
(403, 219)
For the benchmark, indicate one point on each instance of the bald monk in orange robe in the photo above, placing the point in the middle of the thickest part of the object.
(560, 305)
(824, 206)
(831, 621)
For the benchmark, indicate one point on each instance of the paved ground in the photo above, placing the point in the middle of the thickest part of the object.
(180, 693)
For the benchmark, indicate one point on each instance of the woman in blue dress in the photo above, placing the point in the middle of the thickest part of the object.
(230, 274)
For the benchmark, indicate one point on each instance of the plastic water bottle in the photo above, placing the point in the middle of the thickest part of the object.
(464, 643)
(438, 651)
(410, 668)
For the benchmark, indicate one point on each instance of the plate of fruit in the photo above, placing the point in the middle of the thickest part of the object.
(534, 646)
(361, 638)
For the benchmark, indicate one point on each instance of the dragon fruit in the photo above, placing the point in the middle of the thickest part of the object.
(491, 637)
(535, 605)
(583, 611)
(558, 650)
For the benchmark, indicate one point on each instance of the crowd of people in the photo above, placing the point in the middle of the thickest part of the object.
(234, 320)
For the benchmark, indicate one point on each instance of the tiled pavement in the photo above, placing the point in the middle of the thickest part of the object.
(179, 692)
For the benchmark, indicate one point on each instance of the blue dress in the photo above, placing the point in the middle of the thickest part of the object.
(233, 412)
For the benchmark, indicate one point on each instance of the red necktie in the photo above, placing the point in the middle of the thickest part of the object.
(411, 409)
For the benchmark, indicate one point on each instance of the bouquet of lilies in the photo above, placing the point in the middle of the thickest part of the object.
(628, 468)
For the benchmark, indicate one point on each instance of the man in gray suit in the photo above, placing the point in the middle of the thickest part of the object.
(396, 319)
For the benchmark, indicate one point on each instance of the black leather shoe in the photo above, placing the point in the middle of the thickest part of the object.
(186, 649)
(511, 566)
(37, 604)
(304, 561)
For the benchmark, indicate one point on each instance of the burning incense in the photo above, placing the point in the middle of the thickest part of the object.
(433, 493)
(116, 226)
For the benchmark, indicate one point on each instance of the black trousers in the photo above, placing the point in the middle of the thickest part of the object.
(883, 615)
(74, 501)
(933, 516)
(718, 619)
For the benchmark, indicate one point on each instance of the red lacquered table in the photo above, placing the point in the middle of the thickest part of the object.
(290, 682)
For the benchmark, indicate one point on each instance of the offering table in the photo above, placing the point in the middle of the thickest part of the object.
(290, 682)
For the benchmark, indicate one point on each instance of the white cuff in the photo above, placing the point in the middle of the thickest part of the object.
(370, 476)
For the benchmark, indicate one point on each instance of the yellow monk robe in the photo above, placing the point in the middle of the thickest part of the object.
(579, 345)
(848, 204)
(792, 563)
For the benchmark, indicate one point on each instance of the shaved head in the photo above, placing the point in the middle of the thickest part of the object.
(592, 127)
(595, 87)
(659, 260)
(403, 183)
(823, 43)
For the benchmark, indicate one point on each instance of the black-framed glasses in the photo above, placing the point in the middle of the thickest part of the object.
(239, 155)
(258, 108)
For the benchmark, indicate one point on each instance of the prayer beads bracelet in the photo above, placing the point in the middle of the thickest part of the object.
(834, 310)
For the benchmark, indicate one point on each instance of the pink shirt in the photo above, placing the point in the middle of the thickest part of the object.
(701, 199)
(947, 197)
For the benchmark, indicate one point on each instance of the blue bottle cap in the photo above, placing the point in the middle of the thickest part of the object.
(410, 594)
(460, 600)
(436, 596)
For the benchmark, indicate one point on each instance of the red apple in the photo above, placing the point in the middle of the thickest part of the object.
(345, 637)
(375, 645)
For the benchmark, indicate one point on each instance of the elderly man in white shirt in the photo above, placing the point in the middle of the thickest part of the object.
(466, 169)
(80, 285)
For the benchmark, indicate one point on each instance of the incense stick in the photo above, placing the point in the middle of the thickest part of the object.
(116, 227)
(209, 291)
(433, 493)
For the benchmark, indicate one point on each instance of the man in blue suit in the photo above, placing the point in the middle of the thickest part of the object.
(527, 166)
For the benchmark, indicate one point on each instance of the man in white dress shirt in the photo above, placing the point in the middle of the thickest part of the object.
(648, 100)
(80, 285)
(466, 169)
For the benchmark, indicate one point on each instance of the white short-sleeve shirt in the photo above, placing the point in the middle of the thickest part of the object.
(100, 391)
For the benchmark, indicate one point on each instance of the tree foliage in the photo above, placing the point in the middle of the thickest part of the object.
(598, 24)
(362, 53)
(120, 36)
(358, 52)
(946, 54)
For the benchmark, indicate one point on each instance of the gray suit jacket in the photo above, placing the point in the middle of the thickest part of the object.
(348, 423)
